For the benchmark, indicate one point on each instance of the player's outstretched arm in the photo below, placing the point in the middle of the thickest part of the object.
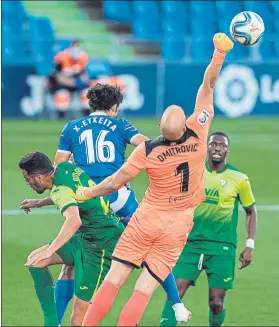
(222, 45)
(28, 204)
(109, 185)
(138, 139)
(69, 228)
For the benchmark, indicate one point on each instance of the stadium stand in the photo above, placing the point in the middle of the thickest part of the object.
(33, 31)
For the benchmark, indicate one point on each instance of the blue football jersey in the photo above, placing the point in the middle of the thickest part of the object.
(98, 143)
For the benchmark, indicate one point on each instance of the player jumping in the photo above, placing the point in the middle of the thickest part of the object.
(158, 230)
(89, 250)
(98, 143)
(212, 242)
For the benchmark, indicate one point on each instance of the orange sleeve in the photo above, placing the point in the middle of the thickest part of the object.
(83, 61)
(58, 57)
(201, 119)
(136, 161)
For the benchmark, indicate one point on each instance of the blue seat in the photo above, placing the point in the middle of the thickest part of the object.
(42, 43)
(275, 6)
(276, 25)
(118, 10)
(229, 8)
(174, 27)
(145, 9)
(266, 49)
(276, 48)
(173, 48)
(62, 45)
(201, 50)
(174, 10)
(202, 8)
(197, 27)
(223, 25)
(14, 12)
(146, 30)
(239, 52)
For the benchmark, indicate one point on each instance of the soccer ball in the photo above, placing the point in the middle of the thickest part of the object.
(247, 28)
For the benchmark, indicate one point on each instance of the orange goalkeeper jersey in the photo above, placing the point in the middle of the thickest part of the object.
(176, 169)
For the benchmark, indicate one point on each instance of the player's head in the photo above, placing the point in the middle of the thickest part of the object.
(37, 170)
(218, 147)
(173, 123)
(105, 97)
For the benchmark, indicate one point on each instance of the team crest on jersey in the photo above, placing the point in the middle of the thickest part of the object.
(203, 117)
(223, 183)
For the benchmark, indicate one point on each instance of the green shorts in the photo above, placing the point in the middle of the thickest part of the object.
(91, 265)
(219, 268)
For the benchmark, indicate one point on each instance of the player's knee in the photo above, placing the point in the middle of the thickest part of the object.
(118, 273)
(216, 305)
(146, 282)
(67, 272)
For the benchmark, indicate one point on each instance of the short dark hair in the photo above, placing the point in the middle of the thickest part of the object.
(219, 134)
(104, 97)
(75, 42)
(36, 163)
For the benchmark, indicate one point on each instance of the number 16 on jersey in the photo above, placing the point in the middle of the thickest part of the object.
(104, 151)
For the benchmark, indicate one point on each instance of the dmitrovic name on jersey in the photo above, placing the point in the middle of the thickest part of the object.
(215, 219)
(98, 143)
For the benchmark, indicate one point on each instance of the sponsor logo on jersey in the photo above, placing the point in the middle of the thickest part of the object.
(82, 288)
(227, 279)
(203, 117)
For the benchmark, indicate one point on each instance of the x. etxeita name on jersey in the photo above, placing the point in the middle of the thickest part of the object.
(95, 120)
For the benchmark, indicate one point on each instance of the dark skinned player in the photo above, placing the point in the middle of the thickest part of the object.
(211, 245)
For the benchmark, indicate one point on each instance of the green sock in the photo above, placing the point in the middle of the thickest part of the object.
(168, 316)
(217, 320)
(43, 284)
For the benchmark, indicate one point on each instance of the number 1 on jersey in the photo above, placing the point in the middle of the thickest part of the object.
(183, 169)
(105, 151)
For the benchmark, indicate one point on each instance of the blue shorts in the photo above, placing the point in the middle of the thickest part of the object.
(123, 202)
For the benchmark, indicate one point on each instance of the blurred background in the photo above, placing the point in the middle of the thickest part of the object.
(157, 51)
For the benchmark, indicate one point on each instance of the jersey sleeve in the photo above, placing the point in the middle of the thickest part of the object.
(136, 161)
(63, 197)
(201, 119)
(246, 196)
(65, 141)
(128, 130)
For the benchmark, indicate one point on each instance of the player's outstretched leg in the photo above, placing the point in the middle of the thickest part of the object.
(44, 287)
(217, 312)
(64, 290)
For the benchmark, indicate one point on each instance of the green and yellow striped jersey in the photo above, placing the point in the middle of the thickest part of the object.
(100, 225)
(215, 219)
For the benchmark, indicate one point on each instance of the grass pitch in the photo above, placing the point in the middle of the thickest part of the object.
(253, 302)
